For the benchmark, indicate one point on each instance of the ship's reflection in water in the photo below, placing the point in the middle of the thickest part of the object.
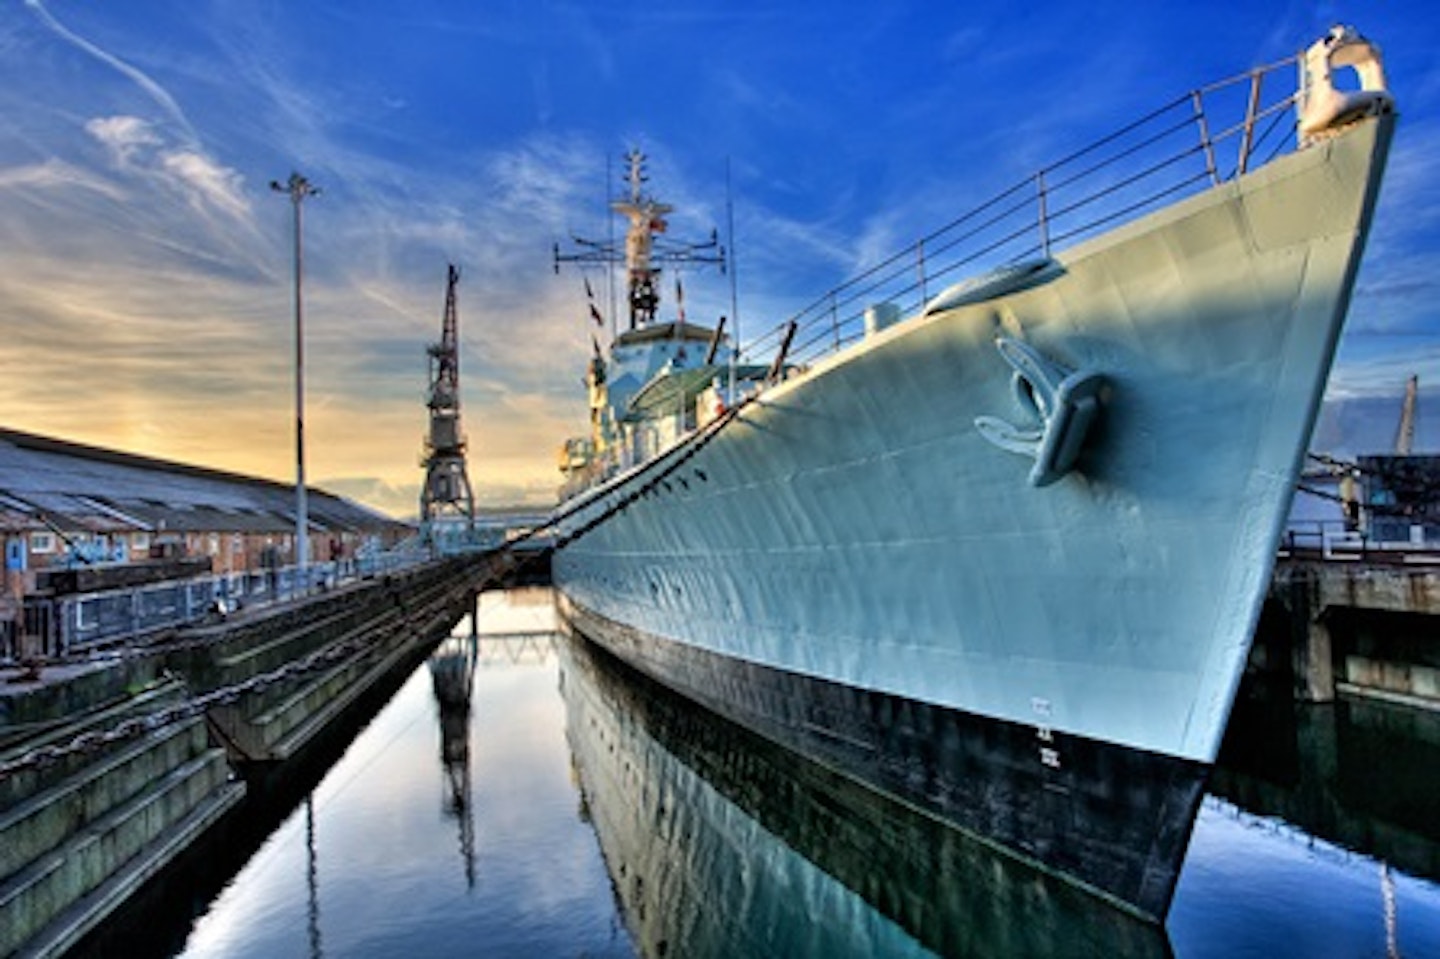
(1320, 837)
(722, 844)
(482, 812)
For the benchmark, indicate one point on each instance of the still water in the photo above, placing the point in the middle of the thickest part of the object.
(567, 807)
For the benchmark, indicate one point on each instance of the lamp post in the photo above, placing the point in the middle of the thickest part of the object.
(299, 188)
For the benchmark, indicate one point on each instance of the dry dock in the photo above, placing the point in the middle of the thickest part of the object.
(110, 768)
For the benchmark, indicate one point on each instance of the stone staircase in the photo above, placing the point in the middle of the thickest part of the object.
(276, 723)
(79, 835)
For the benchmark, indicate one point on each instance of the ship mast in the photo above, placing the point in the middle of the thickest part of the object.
(447, 485)
(647, 218)
(646, 245)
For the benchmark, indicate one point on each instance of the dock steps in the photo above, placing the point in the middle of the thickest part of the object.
(45, 819)
(105, 832)
(20, 786)
(275, 723)
(106, 778)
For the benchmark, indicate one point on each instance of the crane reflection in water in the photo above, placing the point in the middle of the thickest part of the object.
(478, 642)
(452, 676)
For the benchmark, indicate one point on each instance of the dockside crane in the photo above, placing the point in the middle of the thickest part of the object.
(1405, 435)
(446, 491)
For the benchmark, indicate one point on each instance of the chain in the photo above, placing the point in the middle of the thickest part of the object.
(94, 740)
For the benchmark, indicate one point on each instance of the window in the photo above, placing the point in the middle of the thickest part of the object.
(140, 542)
(42, 542)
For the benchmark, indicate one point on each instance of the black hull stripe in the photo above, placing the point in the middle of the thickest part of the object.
(1111, 818)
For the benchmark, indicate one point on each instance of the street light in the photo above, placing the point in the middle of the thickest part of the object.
(299, 188)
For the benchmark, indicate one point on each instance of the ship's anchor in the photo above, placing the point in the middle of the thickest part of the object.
(1064, 401)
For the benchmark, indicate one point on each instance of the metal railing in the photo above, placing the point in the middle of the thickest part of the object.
(81, 623)
(1336, 540)
(1174, 151)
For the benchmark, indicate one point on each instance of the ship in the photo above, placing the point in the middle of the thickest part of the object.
(988, 527)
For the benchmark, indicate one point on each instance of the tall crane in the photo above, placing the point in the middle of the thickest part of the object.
(1405, 436)
(446, 491)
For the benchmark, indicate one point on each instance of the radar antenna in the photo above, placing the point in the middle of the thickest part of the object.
(646, 245)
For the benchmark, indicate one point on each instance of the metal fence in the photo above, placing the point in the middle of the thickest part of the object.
(1334, 540)
(76, 624)
(1196, 141)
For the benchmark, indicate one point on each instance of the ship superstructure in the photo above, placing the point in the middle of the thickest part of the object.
(661, 378)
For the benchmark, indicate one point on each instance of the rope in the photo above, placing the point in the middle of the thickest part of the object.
(661, 467)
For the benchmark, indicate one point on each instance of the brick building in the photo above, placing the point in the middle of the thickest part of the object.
(64, 503)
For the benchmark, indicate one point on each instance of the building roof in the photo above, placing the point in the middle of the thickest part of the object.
(70, 486)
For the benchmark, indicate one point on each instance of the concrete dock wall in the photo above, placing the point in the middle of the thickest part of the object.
(108, 771)
(1355, 627)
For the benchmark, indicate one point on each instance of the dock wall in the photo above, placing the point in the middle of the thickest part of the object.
(110, 771)
(1354, 627)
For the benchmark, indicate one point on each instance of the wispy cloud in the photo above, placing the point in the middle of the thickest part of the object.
(209, 184)
(55, 174)
(155, 91)
(123, 136)
(136, 147)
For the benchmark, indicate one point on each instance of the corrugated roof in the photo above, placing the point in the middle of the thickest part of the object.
(90, 488)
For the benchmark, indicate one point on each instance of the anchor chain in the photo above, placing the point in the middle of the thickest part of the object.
(93, 740)
(672, 461)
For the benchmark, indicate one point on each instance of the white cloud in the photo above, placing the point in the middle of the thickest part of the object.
(123, 136)
(135, 146)
(208, 182)
(56, 174)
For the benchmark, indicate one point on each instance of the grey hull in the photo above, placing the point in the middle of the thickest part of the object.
(856, 527)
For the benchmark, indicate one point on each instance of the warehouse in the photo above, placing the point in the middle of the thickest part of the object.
(66, 505)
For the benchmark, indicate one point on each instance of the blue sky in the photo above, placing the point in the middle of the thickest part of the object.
(145, 263)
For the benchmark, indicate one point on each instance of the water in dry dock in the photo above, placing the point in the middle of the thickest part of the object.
(572, 809)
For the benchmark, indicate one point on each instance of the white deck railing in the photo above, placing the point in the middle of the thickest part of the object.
(1194, 142)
